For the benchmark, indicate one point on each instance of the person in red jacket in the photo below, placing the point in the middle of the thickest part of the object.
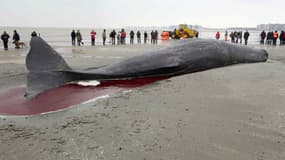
(123, 36)
(275, 37)
(218, 35)
(93, 36)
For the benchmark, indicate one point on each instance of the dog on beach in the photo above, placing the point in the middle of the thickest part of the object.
(19, 44)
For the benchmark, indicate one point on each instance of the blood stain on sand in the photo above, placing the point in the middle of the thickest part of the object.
(13, 101)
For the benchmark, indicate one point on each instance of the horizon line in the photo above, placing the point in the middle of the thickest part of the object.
(88, 27)
(155, 26)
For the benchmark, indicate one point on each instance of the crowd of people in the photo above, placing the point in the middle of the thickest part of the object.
(271, 37)
(115, 37)
(16, 39)
(236, 37)
(77, 35)
(119, 37)
(5, 38)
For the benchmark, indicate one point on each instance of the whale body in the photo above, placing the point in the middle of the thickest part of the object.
(47, 69)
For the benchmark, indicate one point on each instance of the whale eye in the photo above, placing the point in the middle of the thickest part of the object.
(265, 56)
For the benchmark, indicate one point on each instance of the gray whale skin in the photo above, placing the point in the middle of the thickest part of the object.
(47, 69)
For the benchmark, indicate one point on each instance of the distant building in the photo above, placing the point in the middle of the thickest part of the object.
(271, 27)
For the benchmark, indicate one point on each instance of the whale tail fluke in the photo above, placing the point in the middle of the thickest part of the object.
(42, 57)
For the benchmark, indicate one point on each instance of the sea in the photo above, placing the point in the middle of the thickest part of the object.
(61, 36)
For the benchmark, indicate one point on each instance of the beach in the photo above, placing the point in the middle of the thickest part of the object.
(234, 112)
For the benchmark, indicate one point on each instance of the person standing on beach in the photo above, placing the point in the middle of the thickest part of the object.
(119, 38)
(34, 34)
(240, 37)
(139, 37)
(73, 36)
(245, 36)
(93, 36)
(275, 37)
(79, 38)
(197, 34)
(16, 38)
(232, 36)
(104, 36)
(132, 35)
(155, 36)
(226, 36)
(145, 37)
(262, 36)
(218, 35)
(237, 36)
(123, 36)
(281, 38)
(5, 38)
(152, 37)
(268, 38)
(113, 37)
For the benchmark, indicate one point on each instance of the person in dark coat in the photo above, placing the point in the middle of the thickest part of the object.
(245, 36)
(152, 37)
(268, 38)
(16, 39)
(73, 36)
(145, 37)
(232, 37)
(155, 36)
(34, 34)
(113, 37)
(262, 36)
(197, 34)
(240, 37)
(281, 38)
(132, 35)
(139, 37)
(5, 38)
(237, 36)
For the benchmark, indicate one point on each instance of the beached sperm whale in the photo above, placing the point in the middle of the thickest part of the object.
(47, 69)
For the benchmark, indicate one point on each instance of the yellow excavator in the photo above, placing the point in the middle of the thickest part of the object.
(184, 32)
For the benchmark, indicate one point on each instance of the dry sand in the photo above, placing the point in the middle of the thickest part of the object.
(229, 113)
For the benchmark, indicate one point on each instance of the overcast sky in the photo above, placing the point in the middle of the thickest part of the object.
(120, 13)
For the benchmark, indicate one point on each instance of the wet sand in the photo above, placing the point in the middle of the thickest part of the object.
(234, 112)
